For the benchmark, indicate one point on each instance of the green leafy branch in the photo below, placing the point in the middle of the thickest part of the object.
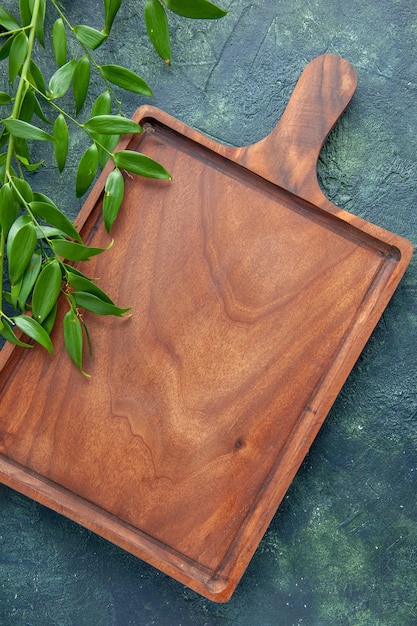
(38, 243)
(156, 20)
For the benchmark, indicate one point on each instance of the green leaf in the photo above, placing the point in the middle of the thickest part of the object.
(80, 82)
(3, 171)
(49, 321)
(41, 197)
(7, 297)
(22, 220)
(39, 29)
(138, 163)
(33, 329)
(60, 134)
(60, 81)
(31, 107)
(3, 161)
(87, 334)
(86, 171)
(28, 106)
(46, 291)
(15, 292)
(81, 283)
(51, 214)
(200, 9)
(90, 302)
(59, 42)
(21, 243)
(5, 98)
(111, 125)
(47, 232)
(102, 105)
(106, 144)
(110, 9)
(125, 78)
(8, 208)
(21, 149)
(38, 111)
(7, 20)
(25, 12)
(31, 167)
(113, 197)
(36, 77)
(73, 338)
(9, 335)
(73, 270)
(18, 51)
(29, 277)
(88, 36)
(5, 49)
(158, 31)
(19, 128)
(74, 251)
(22, 190)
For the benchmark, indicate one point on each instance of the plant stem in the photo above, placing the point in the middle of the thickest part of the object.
(20, 94)
(21, 89)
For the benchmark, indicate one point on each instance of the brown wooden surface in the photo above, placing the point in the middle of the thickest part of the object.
(252, 298)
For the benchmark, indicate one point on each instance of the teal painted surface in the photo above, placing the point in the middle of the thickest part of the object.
(342, 549)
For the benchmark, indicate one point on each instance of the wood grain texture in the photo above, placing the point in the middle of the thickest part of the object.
(252, 298)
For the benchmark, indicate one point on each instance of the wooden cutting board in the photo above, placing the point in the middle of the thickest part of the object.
(252, 298)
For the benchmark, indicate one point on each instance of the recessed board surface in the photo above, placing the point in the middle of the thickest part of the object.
(240, 302)
(250, 307)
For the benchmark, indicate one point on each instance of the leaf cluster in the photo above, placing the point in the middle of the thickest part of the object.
(39, 245)
(156, 20)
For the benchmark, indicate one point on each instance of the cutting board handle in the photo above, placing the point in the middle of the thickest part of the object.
(288, 155)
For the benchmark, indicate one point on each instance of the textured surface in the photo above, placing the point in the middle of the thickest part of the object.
(341, 549)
